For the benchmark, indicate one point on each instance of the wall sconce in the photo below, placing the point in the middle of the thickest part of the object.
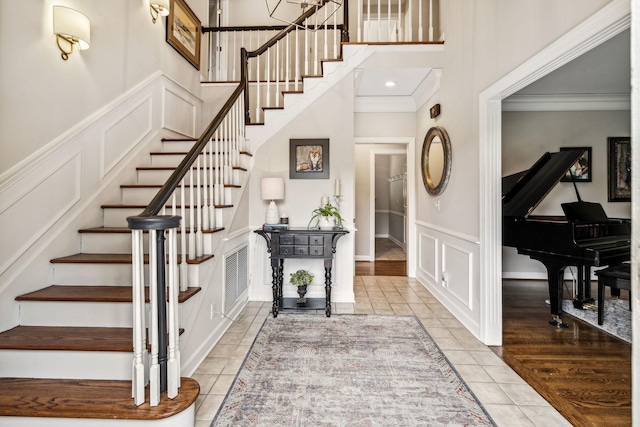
(158, 8)
(272, 189)
(70, 27)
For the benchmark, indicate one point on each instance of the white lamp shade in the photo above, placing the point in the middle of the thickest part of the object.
(71, 23)
(162, 6)
(272, 188)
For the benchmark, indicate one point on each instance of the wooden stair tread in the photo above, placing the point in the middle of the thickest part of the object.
(97, 399)
(83, 293)
(113, 259)
(171, 168)
(126, 230)
(72, 338)
(177, 139)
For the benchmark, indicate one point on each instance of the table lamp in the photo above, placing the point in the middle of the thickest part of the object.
(272, 189)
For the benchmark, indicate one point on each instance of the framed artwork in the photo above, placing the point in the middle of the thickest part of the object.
(184, 31)
(308, 159)
(619, 163)
(581, 169)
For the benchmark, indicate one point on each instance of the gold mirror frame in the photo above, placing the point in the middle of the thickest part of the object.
(428, 180)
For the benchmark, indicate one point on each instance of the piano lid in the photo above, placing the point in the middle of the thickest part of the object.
(522, 192)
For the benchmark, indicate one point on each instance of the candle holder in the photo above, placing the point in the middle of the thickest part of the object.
(336, 201)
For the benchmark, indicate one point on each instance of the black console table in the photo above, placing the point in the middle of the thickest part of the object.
(300, 243)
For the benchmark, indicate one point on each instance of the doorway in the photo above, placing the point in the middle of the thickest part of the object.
(383, 173)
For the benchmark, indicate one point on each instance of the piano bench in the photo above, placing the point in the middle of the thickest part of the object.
(616, 277)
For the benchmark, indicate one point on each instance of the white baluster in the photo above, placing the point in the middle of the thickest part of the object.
(233, 73)
(306, 47)
(400, 34)
(173, 365)
(212, 203)
(298, 56)
(420, 19)
(410, 20)
(335, 32)
(360, 6)
(154, 370)
(315, 46)
(258, 89)
(278, 74)
(430, 20)
(368, 35)
(218, 49)
(199, 213)
(205, 191)
(288, 61)
(325, 32)
(139, 345)
(379, 26)
(267, 102)
(183, 237)
(192, 220)
(389, 36)
(217, 188)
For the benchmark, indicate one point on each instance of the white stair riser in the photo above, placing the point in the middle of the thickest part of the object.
(108, 274)
(120, 243)
(107, 365)
(142, 196)
(67, 313)
(86, 314)
(173, 160)
(117, 217)
(177, 146)
(159, 177)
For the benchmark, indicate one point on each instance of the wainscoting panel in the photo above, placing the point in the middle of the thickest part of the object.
(448, 266)
(428, 253)
(131, 128)
(38, 208)
(457, 269)
(179, 113)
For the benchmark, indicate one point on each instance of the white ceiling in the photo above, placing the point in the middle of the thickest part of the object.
(599, 79)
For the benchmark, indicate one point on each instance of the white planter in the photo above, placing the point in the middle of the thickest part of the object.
(327, 222)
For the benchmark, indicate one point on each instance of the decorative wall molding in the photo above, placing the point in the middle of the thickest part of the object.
(568, 102)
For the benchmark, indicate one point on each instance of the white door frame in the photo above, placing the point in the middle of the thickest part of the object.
(409, 143)
(611, 20)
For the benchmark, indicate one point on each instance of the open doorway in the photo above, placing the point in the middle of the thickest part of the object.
(383, 173)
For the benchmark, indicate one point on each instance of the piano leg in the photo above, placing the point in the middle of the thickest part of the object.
(555, 276)
(583, 298)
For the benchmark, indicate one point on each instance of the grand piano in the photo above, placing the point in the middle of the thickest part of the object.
(584, 237)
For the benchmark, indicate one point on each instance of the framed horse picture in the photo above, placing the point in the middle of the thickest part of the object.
(309, 159)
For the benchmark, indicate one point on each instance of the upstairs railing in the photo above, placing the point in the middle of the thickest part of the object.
(190, 202)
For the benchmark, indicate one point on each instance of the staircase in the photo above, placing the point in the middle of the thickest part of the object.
(71, 355)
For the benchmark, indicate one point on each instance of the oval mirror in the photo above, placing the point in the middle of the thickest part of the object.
(436, 160)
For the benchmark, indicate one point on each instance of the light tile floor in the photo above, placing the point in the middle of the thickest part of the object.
(509, 400)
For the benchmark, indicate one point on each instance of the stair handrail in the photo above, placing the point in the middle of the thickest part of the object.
(164, 371)
(282, 34)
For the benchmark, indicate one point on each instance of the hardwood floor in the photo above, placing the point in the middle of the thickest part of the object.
(583, 372)
(381, 268)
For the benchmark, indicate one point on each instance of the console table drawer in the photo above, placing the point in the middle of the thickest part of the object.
(301, 240)
(316, 250)
(286, 250)
(286, 239)
(316, 240)
(301, 250)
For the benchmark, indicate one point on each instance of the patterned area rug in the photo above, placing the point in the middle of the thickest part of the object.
(617, 317)
(348, 370)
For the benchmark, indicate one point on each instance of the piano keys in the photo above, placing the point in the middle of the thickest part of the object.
(585, 237)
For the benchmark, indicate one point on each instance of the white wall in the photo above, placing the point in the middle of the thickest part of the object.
(527, 135)
(43, 96)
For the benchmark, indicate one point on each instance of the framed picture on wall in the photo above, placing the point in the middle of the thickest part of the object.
(619, 164)
(581, 169)
(184, 31)
(308, 159)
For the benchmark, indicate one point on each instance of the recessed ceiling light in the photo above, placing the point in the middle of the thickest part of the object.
(390, 84)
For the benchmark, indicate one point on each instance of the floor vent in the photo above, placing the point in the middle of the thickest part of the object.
(235, 277)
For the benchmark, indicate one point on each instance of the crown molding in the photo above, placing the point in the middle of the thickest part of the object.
(568, 102)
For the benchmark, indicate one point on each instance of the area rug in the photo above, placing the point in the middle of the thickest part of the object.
(617, 317)
(347, 370)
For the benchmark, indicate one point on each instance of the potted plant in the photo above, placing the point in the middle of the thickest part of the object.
(326, 217)
(301, 279)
